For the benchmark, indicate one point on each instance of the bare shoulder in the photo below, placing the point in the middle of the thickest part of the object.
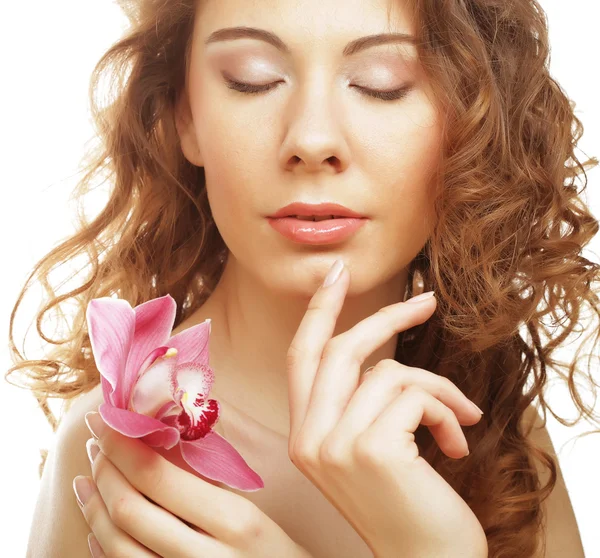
(562, 533)
(58, 528)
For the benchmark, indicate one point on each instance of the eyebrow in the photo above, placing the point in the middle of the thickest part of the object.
(357, 45)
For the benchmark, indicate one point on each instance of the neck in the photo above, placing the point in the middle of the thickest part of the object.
(252, 327)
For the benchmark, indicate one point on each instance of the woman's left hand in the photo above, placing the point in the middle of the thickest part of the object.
(185, 516)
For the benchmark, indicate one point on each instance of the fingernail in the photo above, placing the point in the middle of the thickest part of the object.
(95, 423)
(334, 273)
(95, 548)
(92, 449)
(476, 407)
(421, 297)
(82, 489)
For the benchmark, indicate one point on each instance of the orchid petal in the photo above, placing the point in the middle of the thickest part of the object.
(107, 391)
(160, 439)
(153, 388)
(192, 343)
(153, 356)
(191, 386)
(134, 425)
(197, 418)
(215, 458)
(153, 324)
(171, 408)
(197, 380)
(111, 326)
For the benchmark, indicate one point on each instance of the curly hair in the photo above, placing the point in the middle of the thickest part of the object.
(510, 224)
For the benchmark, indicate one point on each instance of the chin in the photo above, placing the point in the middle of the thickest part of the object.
(302, 277)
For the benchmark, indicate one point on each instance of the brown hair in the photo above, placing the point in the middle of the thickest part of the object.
(505, 252)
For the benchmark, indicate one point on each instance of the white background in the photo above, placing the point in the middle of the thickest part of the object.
(48, 50)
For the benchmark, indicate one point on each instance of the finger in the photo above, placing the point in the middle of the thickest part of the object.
(304, 354)
(383, 385)
(338, 375)
(95, 548)
(223, 515)
(113, 540)
(146, 522)
(390, 439)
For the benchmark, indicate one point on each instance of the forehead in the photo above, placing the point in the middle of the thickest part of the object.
(302, 22)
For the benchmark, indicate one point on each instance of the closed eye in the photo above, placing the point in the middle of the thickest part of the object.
(249, 89)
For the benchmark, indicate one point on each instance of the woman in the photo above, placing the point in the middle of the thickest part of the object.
(436, 126)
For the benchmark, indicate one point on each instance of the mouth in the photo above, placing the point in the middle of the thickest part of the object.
(317, 229)
(315, 212)
(315, 217)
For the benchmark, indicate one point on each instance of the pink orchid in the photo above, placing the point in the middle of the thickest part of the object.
(156, 387)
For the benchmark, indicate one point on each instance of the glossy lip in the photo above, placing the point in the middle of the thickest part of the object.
(328, 231)
(307, 209)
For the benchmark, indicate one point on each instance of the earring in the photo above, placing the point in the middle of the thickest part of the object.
(418, 285)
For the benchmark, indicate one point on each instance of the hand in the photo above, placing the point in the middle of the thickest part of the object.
(354, 440)
(181, 515)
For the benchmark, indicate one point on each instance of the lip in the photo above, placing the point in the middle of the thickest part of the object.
(328, 231)
(320, 209)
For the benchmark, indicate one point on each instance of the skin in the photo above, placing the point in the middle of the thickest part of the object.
(353, 440)
(313, 138)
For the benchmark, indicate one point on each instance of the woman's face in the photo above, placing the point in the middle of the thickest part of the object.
(314, 137)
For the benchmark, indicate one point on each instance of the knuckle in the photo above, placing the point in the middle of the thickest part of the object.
(304, 454)
(376, 371)
(316, 310)
(390, 311)
(315, 304)
(388, 366)
(334, 455)
(151, 472)
(294, 356)
(343, 347)
(248, 524)
(447, 385)
(447, 382)
(392, 373)
(333, 347)
(122, 511)
(416, 392)
(445, 388)
(413, 389)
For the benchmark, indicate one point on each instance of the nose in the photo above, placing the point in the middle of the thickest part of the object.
(312, 163)
(315, 140)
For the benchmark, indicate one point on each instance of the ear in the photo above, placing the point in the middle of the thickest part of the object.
(187, 134)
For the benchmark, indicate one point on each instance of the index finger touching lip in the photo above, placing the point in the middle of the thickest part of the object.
(315, 329)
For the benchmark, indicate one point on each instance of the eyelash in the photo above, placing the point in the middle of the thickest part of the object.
(249, 89)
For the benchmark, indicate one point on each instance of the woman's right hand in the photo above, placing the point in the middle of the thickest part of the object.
(355, 441)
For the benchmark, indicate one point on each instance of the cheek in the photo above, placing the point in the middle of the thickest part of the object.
(410, 220)
(403, 162)
(237, 149)
(238, 197)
